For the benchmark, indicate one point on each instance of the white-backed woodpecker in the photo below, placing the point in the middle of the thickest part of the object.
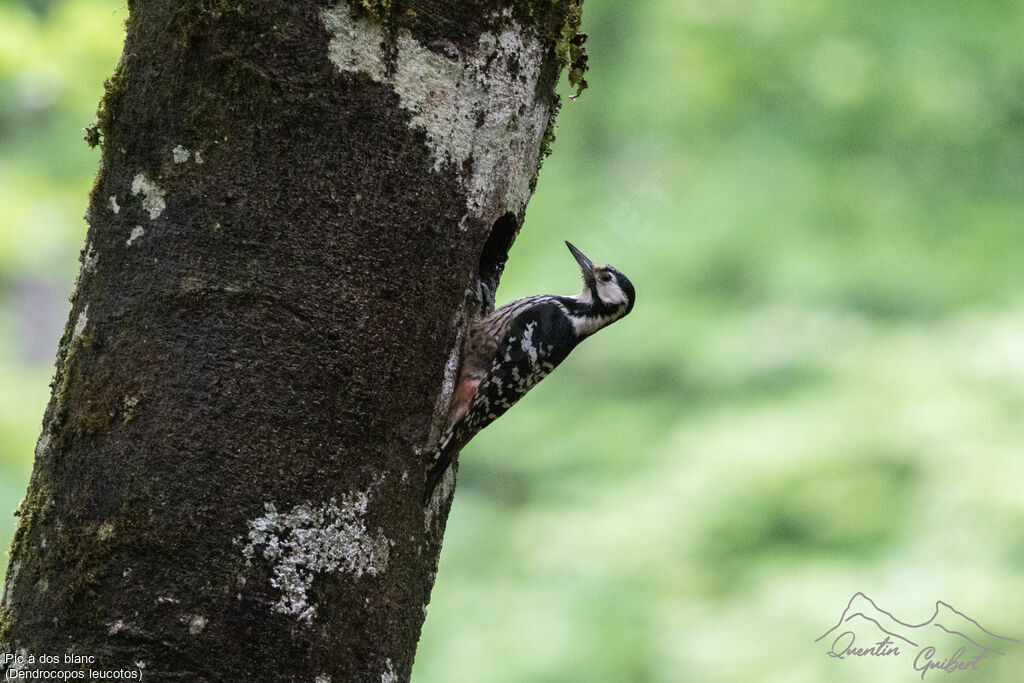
(513, 348)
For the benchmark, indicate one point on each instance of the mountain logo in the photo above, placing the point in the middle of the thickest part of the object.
(949, 642)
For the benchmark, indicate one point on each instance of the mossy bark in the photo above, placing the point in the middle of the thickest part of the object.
(287, 238)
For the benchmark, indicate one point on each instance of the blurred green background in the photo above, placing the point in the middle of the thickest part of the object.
(821, 388)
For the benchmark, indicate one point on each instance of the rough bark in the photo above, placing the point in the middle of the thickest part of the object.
(297, 205)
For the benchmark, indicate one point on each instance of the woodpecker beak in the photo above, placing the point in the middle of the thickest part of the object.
(586, 265)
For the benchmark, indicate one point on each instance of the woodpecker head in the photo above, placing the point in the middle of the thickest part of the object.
(609, 293)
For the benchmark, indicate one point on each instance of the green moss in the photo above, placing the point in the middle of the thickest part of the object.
(87, 399)
(571, 54)
(378, 9)
(81, 555)
(190, 17)
(102, 393)
(101, 130)
(83, 558)
(578, 63)
(34, 510)
(92, 133)
(7, 630)
(569, 47)
(549, 133)
(93, 404)
(59, 385)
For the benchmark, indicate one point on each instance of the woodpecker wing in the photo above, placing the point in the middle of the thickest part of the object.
(538, 339)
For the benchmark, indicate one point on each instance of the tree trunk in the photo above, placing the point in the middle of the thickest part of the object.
(299, 208)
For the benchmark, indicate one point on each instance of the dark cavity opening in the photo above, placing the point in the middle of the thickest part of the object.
(495, 253)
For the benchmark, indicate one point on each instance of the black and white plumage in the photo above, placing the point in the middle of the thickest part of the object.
(513, 348)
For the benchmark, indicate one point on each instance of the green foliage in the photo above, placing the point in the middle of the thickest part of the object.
(818, 392)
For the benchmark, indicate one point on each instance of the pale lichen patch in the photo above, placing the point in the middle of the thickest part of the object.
(312, 540)
(80, 323)
(196, 624)
(322, 678)
(105, 531)
(451, 368)
(128, 404)
(90, 258)
(354, 46)
(114, 205)
(43, 444)
(136, 233)
(198, 157)
(479, 109)
(152, 196)
(389, 675)
(180, 154)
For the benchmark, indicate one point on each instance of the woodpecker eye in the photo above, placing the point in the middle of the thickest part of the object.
(605, 277)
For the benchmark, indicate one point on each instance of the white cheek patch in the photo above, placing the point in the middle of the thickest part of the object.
(610, 292)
